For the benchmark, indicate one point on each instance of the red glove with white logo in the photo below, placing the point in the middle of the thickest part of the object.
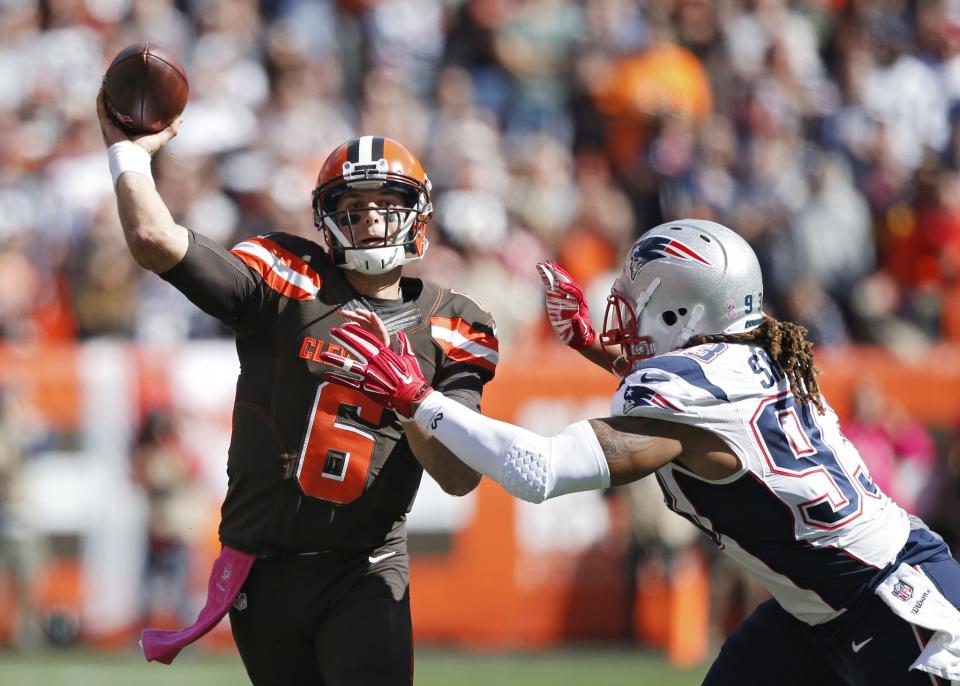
(566, 306)
(392, 379)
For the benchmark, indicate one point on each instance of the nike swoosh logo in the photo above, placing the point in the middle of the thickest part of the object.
(857, 646)
(374, 559)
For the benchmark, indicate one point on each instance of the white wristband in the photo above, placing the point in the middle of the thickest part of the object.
(127, 156)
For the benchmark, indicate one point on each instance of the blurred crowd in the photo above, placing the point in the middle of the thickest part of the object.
(827, 132)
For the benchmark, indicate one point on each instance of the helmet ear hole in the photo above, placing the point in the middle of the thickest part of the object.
(669, 317)
(682, 311)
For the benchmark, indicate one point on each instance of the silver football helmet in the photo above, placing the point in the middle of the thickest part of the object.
(681, 279)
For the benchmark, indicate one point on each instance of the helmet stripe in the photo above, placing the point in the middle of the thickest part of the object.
(376, 152)
(366, 148)
(675, 247)
(353, 151)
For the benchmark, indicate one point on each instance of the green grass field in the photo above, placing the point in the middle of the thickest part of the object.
(434, 668)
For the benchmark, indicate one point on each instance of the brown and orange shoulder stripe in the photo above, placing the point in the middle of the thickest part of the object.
(286, 273)
(462, 342)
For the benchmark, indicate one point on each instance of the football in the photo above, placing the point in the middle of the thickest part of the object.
(145, 88)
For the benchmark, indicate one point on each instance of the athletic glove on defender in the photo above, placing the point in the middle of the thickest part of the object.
(566, 306)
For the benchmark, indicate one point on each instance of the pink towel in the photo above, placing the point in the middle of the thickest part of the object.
(229, 572)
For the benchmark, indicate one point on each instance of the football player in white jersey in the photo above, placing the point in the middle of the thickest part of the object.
(721, 403)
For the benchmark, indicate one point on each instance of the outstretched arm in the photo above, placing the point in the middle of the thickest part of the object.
(155, 241)
(594, 353)
(585, 456)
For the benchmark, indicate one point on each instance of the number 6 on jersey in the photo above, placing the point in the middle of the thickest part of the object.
(335, 459)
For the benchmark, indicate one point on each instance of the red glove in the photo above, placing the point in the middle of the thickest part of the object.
(392, 379)
(566, 306)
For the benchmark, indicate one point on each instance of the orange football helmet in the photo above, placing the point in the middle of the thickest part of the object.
(373, 163)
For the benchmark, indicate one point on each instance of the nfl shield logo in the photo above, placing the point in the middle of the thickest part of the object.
(903, 591)
(241, 602)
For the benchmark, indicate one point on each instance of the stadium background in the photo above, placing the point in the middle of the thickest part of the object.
(825, 131)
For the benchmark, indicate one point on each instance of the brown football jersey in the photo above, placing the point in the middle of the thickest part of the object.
(314, 466)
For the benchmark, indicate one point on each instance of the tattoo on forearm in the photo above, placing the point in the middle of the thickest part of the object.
(622, 449)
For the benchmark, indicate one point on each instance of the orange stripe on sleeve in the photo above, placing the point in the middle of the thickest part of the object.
(463, 343)
(282, 271)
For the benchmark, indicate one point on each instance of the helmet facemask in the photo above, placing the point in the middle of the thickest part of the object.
(621, 328)
(403, 240)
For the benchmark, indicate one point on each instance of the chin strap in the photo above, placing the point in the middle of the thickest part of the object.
(690, 328)
(642, 301)
(646, 295)
(374, 261)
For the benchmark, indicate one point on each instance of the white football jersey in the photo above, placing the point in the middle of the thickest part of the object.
(802, 513)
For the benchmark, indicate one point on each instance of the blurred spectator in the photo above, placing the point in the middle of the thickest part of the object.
(651, 99)
(405, 36)
(946, 511)
(166, 472)
(833, 232)
(603, 226)
(21, 547)
(658, 534)
(922, 249)
(903, 92)
(898, 450)
(534, 45)
(104, 280)
(876, 304)
(807, 304)
(658, 544)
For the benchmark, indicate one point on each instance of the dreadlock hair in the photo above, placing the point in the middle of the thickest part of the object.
(788, 346)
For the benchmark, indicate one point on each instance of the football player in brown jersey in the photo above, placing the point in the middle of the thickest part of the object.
(314, 559)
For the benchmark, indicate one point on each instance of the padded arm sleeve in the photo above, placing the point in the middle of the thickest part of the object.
(527, 465)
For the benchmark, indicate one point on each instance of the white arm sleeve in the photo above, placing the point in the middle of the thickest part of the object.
(527, 465)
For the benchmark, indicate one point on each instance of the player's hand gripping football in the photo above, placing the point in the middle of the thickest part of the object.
(566, 306)
(393, 379)
(112, 133)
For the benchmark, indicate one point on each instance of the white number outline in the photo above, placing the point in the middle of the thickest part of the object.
(836, 503)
